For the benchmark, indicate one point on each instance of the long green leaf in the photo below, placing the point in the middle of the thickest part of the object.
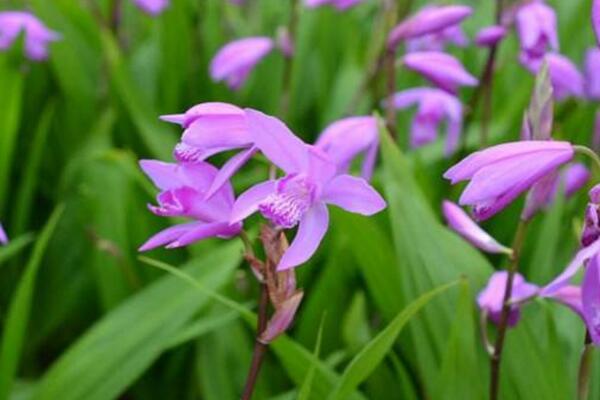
(374, 352)
(13, 335)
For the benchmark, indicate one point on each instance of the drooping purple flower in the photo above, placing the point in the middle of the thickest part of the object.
(536, 27)
(592, 73)
(590, 298)
(152, 7)
(234, 61)
(591, 227)
(566, 79)
(301, 196)
(341, 5)
(500, 173)
(462, 224)
(429, 20)
(442, 69)
(3, 236)
(212, 128)
(596, 19)
(346, 138)
(490, 299)
(490, 35)
(434, 107)
(37, 36)
(183, 189)
(575, 177)
(438, 41)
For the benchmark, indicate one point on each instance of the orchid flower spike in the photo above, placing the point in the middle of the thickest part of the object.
(536, 27)
(234, 61)
(491, 298)
(462, 224)
(443, 70)
(437, 41)
(429, 20)
(490, 36)
(301, 196)
(37, 36)
(183, 189)
(346, 138)
(596, 19)
(152, 7)
(209, 129)
(592, 74)
(3, 236)
(340, 5)
(434, 106)
(500, 173)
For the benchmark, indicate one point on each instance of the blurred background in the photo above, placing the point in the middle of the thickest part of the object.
(83, 318)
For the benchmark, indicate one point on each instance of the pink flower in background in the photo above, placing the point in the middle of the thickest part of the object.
(462, 224)
(152, 7)
(536, 27)
(183, 191)
(490, 36)
(437, 41)
(592, 73)
(596, 19)
(37, 36)
(234, 61)
(490, 299)
(301, 196)
(212, 128)
(566, 79)
(429, 20)
(442, 69)
(434, 107)
(339, 4)
(3, 236)
(499, 174)
(345, 139)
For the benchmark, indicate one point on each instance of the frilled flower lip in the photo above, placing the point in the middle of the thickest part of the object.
(426, 21)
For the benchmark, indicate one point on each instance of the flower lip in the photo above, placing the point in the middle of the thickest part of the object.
(294, 195)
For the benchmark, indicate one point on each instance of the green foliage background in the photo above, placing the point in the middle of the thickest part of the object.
(83, 318)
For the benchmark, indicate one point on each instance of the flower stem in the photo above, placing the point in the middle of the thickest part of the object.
(585, 368)
(259, 348)
(588, 152)
(289, 61)
(496, 358)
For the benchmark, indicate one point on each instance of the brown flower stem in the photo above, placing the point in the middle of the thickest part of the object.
(288, 68)
(260, 348)
(585, 368)
(496, 358)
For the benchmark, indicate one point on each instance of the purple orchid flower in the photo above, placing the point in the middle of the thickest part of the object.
(234, 61)
(442, 69)
(152, 7)
(37, 36)
(500, 173)
(590, 298)
(183, 189)
(346, 138)
(490, 36)
(596, 19)
(536, 27)
(565, 77)
(341, 5)
(591, 227)
(462, 224)
(437, 41)
(429, 20)
(490, 299)
(301, 196)
(3, 236)
(212, 128)
(592, 74)
(434, 106)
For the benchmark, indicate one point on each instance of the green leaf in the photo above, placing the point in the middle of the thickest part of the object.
(14, 247)
(202, 326)
(13, 335)
(375, 351)
(305, 389)
(132, 336)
